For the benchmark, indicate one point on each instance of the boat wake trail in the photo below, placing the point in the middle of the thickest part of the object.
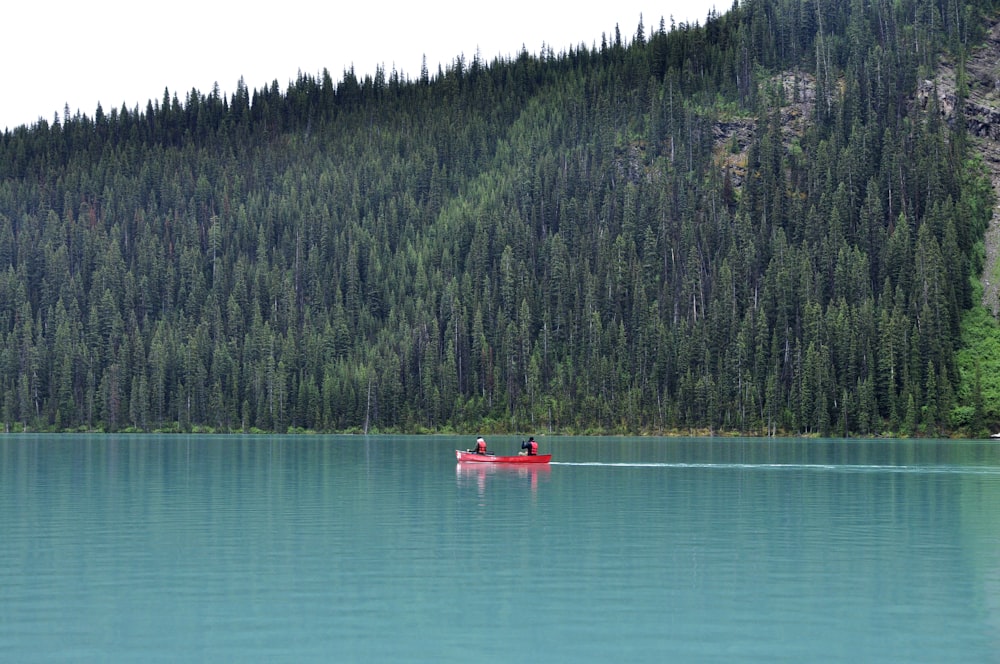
(842, 468)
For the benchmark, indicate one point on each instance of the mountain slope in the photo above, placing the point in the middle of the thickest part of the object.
(742, 226)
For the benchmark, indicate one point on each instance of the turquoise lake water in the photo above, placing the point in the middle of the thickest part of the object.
(383, 549)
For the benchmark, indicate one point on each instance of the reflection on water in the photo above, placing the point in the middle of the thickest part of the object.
(170, 548)
(476, 474)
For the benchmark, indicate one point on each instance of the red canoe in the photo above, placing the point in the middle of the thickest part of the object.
(472, 457)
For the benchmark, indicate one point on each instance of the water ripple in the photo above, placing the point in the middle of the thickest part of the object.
(844, 468)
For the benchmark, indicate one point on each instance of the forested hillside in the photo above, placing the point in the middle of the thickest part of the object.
(752, 224)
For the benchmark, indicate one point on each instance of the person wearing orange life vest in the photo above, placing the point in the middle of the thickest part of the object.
(480, 446)
(531, 446)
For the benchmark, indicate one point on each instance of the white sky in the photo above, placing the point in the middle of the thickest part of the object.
(112, 51)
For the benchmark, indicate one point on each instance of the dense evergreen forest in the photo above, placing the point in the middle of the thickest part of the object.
(746, 225)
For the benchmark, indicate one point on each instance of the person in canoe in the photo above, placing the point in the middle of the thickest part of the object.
(529, 448)
(480, 447)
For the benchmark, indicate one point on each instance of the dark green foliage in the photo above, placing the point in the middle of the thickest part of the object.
(547, 242)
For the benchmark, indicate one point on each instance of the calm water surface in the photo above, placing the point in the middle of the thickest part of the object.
(186, 548)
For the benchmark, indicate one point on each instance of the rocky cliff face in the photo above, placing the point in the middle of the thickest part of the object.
(982, 105)
(734, 135)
